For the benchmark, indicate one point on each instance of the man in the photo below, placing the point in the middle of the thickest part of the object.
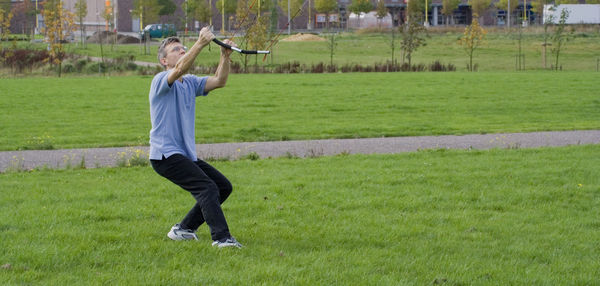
(172, 142)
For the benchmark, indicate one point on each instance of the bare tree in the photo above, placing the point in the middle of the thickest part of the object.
(559, 38)
(81, 11)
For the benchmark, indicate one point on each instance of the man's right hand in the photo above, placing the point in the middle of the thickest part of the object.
(205, 36)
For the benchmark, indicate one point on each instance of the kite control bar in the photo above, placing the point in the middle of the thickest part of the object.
(248, 52)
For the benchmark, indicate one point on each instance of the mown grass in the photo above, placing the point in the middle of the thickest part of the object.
(113, 111)
(496, 217)
(496, 54)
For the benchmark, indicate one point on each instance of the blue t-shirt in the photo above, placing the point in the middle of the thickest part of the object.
(172, 112)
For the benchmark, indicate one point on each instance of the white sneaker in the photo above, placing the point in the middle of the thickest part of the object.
(227, 242)
(178, 233)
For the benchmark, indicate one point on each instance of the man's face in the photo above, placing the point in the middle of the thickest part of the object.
(174, 52)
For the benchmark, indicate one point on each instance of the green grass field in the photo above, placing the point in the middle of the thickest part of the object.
(497, 217)
(497, 53)
(451, 217)
(93, 112)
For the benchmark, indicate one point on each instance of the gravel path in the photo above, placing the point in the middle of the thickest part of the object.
(102, 157)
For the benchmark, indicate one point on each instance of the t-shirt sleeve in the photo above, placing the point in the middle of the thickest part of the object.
(161, 83)
(201, 83)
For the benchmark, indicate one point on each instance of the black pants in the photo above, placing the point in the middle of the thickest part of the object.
(209, 187)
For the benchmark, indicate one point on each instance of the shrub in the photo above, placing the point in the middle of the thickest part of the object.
(21, 59)
(68, 68)
(80, 64)
(96, 67)
(438, 66)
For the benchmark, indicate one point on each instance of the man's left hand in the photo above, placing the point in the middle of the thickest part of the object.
(226, 52)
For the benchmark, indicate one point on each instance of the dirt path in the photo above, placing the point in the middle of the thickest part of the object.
(102, 157)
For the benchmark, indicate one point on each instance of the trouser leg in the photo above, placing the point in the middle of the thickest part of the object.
(190, 176)
(195, 218)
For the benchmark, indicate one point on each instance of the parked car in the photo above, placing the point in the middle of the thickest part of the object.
(158, 31)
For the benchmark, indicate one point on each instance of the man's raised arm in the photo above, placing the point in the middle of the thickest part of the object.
(186, 62)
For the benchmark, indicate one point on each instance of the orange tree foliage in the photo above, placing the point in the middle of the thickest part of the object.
(472, 38)
(60, 24)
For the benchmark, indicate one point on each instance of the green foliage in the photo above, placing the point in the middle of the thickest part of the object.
(416, 8)
(5, 17)
(559, 39)
(498, 217)
(360, 6)
(332, 43)
(81, 11)
(479, 7)
(201, 10)
(146, 11)
(166, 7)
(295, 5)
(382, 11)
(132, 158)
(43, 142)
(448, 7)
(413, 37)
(230, 6)
(326, 6)
(59, 23)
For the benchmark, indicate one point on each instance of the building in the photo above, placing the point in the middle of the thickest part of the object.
(123, 20)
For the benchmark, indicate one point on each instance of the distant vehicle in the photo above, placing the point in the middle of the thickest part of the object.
(158, 31)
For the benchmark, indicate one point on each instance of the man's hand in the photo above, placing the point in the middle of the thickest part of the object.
(205, 36)
(226, 52)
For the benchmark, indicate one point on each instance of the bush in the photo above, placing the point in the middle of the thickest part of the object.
(96, 67)
(68, 68)
(21, 59)
(438, 66)
(131, 66)
(80, 64)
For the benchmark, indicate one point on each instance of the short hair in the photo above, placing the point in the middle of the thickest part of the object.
(162, 53)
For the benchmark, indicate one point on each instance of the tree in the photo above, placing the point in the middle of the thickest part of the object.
(295, 5)
(537, 6)
(326, 6)
(24, 12)
(472, 38)
(59, 24)
(382, 11)
(559, 38)
(448, 7)
(146, 10)
(415, 8)
(503, 5)
(274, 18)
(256, 33)
(5, 17)
(479, 7)
(166, 7)
(393, 45)
(413, 37)
(331, 45)
(201, 10)
(231, 7)
(548, 21)
(81, 11)
(360, 6)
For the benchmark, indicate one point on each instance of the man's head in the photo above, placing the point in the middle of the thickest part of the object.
(170, 51)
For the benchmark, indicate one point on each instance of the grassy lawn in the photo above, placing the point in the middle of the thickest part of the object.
(39, 113)
(496, 217)
(496, 54)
